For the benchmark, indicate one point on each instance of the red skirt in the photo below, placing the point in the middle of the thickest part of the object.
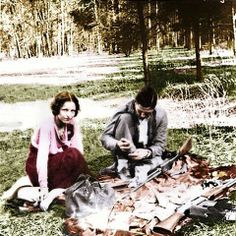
(63, 168)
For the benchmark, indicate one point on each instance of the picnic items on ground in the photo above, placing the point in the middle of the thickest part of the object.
(188, 189)
(167, 164)
(203, 205)
(144, 210)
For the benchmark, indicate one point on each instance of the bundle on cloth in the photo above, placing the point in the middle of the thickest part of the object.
(63, 168)
(87, 197)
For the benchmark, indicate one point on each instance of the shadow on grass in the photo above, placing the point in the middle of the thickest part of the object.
(98, 163)
(164, 74)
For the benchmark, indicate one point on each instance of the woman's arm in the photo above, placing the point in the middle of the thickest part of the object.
(42, 156)
(77, 139)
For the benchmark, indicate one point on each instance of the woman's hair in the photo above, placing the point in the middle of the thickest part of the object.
(147, 97)
(60, 99)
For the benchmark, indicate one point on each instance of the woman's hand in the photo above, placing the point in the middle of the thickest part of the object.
(43, 193)
(44, 205)
(140, 154)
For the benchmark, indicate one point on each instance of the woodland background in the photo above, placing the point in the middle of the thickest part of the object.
(104, 51)
(31, 28)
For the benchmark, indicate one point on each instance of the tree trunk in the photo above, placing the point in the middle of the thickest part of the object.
(98, 34)
(175, 39)
(59, 43)
(188, 38)
(149, 28)
(157, 27)
(18, 49)
(62, 29)
(48, 42)
(71, 41)
(211, 36)
(197, 50)
(1, 20)
(234, 27)
(144, 37)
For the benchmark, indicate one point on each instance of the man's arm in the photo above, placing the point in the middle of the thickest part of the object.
(160, 133)
(107, 138)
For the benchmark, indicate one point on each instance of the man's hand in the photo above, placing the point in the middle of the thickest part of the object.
(124, 144)
(140, 154)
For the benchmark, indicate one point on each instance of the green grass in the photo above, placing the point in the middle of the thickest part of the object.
(13, 152)
(216, 144)
(208, 228)
(166, 81)
(35, 224)
(102, 89)
(165, 78)
(172, 82)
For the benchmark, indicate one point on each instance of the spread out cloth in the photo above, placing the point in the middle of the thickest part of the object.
(137, 213)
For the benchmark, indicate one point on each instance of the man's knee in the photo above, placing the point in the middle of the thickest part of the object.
(122, 164)
(123, 169)
(125, 119)
(156, 161)
(125, 127)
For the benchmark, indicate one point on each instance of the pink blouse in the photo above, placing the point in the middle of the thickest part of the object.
(46, 140)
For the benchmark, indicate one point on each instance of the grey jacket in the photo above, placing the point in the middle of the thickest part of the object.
(157, 129)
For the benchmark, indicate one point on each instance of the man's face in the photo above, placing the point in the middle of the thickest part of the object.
(143, 112)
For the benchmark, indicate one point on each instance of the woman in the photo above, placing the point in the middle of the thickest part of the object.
(55, 157)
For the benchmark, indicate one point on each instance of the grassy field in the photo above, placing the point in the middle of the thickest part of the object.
(215, 144)
(13, 152)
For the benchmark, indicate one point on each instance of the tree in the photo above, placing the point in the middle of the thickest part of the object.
(144, 38)
(57, 27)
(199, 17)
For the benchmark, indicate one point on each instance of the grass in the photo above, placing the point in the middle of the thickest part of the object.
(169, 76)
(166, 81)
(13, 152)
(45, 224)
(212, 143)
(102, 89)
(208, 229)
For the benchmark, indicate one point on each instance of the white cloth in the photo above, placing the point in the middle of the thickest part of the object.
(143, 131)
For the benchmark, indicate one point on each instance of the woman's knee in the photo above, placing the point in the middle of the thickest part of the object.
(73, 152)
(74, 158)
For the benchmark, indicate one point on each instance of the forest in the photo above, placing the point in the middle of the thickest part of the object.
(104, 51)
(32, 28)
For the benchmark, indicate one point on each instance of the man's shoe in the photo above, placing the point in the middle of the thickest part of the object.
(110, 170)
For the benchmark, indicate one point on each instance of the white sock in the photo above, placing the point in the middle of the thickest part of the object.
(21, 182)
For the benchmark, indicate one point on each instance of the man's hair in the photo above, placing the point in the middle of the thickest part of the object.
(60, 99)
(147, 97)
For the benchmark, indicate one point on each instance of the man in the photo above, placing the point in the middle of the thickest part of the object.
(136, 136)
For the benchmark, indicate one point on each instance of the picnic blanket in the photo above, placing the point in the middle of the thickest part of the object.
(140, 211)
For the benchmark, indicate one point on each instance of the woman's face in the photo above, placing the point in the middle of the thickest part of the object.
(67, 112)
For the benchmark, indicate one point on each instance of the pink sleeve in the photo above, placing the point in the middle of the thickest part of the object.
(42, 157)
(77, 140)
